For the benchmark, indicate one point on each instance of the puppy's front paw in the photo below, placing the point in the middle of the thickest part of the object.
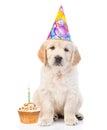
(45, 121)
(71, 120)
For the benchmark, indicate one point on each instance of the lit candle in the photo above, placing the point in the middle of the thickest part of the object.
(28, 94)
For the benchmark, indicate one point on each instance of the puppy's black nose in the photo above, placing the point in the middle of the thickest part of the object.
(58, 59)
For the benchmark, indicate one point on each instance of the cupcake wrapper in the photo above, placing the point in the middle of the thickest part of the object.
(28, 117)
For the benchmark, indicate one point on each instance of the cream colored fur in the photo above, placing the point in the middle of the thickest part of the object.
(58, 92)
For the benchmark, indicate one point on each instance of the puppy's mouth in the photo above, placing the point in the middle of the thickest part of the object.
(57, 64)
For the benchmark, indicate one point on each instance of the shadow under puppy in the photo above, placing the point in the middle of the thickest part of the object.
(58, 93)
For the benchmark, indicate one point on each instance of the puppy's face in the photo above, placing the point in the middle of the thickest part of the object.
(59, 53)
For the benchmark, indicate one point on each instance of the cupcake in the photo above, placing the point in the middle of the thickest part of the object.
(29, 113)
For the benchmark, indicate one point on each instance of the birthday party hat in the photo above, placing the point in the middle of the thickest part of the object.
(60, 28)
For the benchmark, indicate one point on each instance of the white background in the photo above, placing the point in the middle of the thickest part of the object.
(24, 26)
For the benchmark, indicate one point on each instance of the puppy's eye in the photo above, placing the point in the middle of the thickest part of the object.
(65, 49)
(52, 48)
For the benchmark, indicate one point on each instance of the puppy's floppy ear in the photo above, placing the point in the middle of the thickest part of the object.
(75, 56)
(42, 54)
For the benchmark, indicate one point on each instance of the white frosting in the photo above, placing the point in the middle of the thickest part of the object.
(29, 107)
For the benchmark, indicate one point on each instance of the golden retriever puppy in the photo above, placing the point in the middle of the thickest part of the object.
(58, 93)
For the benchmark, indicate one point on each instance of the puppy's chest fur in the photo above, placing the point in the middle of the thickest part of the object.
(59, 85)
(59, 90)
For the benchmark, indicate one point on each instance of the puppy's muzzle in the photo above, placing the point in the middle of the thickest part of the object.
(58, 60)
